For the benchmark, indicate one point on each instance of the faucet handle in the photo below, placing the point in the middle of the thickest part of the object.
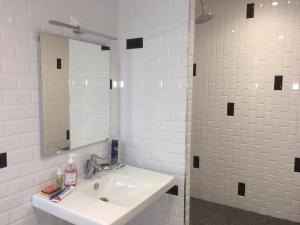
(93, 165)
(95, 157)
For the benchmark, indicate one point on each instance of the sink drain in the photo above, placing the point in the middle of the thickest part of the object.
(96, 186)
(104, 199)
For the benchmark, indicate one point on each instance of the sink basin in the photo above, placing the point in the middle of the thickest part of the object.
(109, 198)
(120, 188)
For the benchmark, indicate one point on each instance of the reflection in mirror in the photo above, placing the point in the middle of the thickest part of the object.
(75, 93)
(89, 93)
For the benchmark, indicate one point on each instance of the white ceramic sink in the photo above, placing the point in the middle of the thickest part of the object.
(109, 198)
(121, 188)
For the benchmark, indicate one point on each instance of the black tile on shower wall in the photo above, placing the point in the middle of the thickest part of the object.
(68, 134)
(134, 43)
(3, 160)
(297, 165)
(230, 109)
(173, 190)
(278, 82)
(194, 69)
(110, 84)
(105, 48)
(58, 63)
(196, 162)
(241, 189)
(250, 11)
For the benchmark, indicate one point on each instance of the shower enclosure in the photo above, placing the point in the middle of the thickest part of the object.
(246, 116)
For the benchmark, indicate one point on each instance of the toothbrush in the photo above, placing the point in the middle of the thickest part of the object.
(65, 193)
(62, 194)
(56, 193)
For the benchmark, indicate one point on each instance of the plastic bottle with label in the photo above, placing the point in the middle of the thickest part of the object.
(70, 173)
(59, 178)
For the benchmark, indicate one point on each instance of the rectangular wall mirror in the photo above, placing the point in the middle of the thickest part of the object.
(75, 93)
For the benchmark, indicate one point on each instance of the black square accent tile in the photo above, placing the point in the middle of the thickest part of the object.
(241, 189)
(278, 82)
(250, 10)
(173, 190)
(58, 63)
(230, 109)
(68, 134)
(196, 162)
(297, 165)
(194, 69)
(3, 160)
(105, 48)
(134, 43)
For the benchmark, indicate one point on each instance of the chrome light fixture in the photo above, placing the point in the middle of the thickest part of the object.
(80, 30)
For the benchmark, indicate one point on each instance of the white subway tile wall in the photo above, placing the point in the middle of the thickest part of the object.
(20, 23)
(237, 59)
(154, 97)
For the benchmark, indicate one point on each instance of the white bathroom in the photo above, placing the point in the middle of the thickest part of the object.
(157, 112)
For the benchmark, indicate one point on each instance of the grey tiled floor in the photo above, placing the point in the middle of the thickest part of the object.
(206, 213)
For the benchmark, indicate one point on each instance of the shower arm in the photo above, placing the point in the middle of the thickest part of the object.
(202, 7)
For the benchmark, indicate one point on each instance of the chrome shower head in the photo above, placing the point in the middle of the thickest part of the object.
(203, 18)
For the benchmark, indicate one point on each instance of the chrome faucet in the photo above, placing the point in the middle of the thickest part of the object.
(95, 163)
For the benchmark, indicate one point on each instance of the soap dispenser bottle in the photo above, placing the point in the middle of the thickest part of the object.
(70, 173)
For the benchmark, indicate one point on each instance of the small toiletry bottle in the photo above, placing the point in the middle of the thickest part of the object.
(114, 151)
(70, 173)
(59, 178)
